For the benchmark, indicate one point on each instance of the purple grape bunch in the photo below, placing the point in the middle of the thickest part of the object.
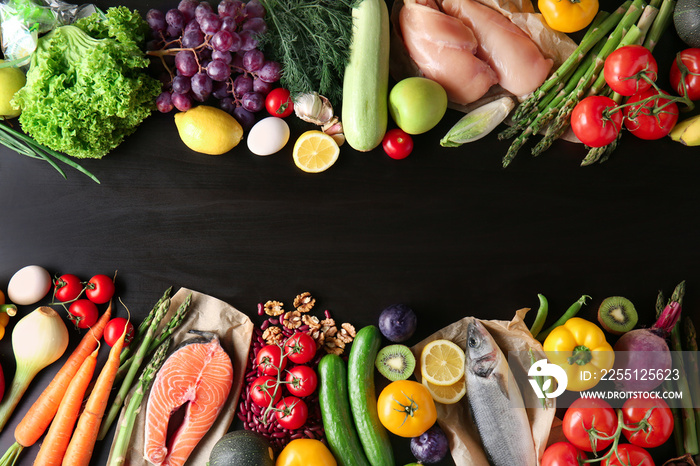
(213, 54)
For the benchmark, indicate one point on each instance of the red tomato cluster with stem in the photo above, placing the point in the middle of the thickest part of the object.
(80, 298)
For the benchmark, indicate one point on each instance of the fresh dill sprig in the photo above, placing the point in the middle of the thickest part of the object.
(311, 39)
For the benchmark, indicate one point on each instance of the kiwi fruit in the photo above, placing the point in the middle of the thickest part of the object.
(617, 315)
(395, 362)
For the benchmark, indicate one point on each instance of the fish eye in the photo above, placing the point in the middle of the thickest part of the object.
(473, 342)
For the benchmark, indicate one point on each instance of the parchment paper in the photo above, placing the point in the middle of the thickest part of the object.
(235, 330)
(455, 419)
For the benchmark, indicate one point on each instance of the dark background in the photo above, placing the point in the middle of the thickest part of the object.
(447, 231)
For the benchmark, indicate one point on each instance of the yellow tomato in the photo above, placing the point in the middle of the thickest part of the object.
(579, 347)
(305, 452)
(568, 15)
(406, 408)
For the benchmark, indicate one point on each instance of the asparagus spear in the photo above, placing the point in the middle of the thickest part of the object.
(143, 327)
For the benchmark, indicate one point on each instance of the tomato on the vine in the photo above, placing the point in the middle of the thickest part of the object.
(67, 287)
(99, 289)
(265, 391)
(650, 116)
(301, 380)
(655, 430)
(300, 348)
(596, 121)
(562, 454)
(270, 360)
(630, 70)
(689, 61)
(397, 143)
(630, 455)
(83, 313)
(279, 103)
(584, 415)
(292, 412)
(115, 328)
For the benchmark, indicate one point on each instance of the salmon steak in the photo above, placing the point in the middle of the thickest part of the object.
(194, 382)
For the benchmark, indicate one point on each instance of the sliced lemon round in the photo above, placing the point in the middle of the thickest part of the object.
(449, 394)
(315, 151)
(442, 362)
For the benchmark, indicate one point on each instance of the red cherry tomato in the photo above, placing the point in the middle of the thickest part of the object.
(67, 287)
(83, 313)
(650, 119)
(99, 289)
(630, 455)
(630, 70)
(689, 60)
(302, 380)
(270, 360)
(585, 414)
(595, 121)
(300, 348)
(115, 327)
(292, 412)
(397, 144)
(264, 391)
(562, 454)
(657, 428)
(279, 103)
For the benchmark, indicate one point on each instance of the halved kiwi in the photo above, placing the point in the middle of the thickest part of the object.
(617, 315)
(395, 362)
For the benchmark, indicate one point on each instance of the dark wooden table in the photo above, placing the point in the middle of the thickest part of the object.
(447, 231)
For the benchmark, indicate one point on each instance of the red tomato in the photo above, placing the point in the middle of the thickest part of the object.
(397, 144)
(99, 289)
(585, 414)
(595, 121)
(67, 287)
(302, 380)
(300, 348)
(562, 454)
(653, 116)
(630, 70)
(264, 391)
(115, 328)
(687, 64)
(83, 313)
(656, 429)
(270, 360)
(279, 103)
(630, 455)
(292, 412)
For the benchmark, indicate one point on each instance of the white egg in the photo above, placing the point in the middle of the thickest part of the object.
(268, 136)
(29, 285)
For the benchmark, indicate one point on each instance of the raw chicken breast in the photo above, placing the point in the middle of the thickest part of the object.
(443, 48)
(515, 58)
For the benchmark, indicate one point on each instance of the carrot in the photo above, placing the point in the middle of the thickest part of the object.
(56, 441)
(42, 412)
(82, 442)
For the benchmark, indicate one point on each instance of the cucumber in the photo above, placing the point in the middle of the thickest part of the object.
(363, 402)
(335, 411)
(366, 80)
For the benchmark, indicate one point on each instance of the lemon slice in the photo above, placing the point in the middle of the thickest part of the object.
(442, 362)
(315, 151)
(449, 394)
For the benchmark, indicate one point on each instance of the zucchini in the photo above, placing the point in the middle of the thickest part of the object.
(366, 80)
(686, 19)
(335, 411)
(363, 402)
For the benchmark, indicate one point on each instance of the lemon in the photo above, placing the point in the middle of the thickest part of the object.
(449, 394)
(442, 362)
(315, 151)
(12, 79)
(208, 130)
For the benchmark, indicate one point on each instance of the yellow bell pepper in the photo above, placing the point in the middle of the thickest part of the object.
(579, 347)
(568, 15)
(305, 452)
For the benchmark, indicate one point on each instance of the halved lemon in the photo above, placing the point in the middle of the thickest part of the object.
(442, 362)
(449, 394)
(315, 151)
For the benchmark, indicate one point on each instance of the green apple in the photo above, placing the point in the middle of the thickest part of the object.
(12, 79)
(417, 104)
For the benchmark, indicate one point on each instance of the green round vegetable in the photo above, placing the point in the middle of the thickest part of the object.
(242, 448)
(686, 19)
